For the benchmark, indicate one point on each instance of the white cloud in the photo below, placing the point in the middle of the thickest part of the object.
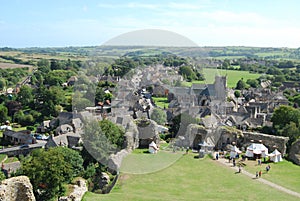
(215, 28)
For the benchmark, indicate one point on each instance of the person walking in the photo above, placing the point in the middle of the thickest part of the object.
(187, 150)
(260, 173)
(256, 174)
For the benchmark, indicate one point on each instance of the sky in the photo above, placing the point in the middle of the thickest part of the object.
(60, 23)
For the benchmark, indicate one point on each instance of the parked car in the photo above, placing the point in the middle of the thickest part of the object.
(24, 146)
(40, 137)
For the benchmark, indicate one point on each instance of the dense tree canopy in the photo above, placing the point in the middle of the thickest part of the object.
(25, 96)
(3, 113)
(48, 170)
(283, 115)
(241, 84)
(159, 116)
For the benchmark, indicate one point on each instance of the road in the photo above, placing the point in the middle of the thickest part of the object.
(16, 149)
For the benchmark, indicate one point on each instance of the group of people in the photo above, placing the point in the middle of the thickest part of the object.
(258, 174)
(268, 168)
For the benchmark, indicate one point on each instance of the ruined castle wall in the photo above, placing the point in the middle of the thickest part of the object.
(269, 140)
(16, 189)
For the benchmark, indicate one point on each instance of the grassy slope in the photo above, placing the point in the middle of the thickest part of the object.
(233, 76)
(284, 173)
(190, 179)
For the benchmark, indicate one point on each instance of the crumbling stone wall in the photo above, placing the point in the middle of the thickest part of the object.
(148, 132)
(194, 135)
(270, 141)
(294, 153)
(227, 136)
(79, 190)
(115, 160)
(131, 136)
(16, 189)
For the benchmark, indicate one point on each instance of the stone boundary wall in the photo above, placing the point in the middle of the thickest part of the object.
(294, 154)
(269, 140)
(111, 185)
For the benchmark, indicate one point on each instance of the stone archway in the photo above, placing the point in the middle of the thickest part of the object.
(197, 140)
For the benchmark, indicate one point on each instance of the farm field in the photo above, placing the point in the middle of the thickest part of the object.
(233, 76)
(10, 65)
(190, 179)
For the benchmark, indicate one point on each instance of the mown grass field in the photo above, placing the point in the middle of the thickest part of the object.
(161, 101)
(189, 179)
(233, 76)
(284, 173)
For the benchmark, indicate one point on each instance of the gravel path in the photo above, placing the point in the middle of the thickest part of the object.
(278, 187)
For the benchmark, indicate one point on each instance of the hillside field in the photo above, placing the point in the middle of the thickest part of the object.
(189, 179)
(233, 76)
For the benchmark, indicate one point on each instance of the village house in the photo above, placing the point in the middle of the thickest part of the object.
(20, 137)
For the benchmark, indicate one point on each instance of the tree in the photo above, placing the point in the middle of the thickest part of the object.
(237, 93)
(3, 113)
(226, 64)
(292, 131)
(73, 158)
(283, 115)
(3, 83)
(187, 72)
(253, 83)
(279, 78)
(47, 99)
(49, 170)
(25, 96)
(13, 107)
(44, 66)
(241, 84)
(159, 116)
(113, 132)
(2, 176)
(79, 103)
(89, 172)
(96, 143)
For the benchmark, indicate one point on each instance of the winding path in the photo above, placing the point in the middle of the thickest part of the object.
(264, 181)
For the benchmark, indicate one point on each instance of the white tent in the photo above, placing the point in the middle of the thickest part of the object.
(234, 151)
(275, 156)
(153, 148)
(257, 149)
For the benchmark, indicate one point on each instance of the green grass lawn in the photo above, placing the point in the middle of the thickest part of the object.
(233, 76)
(189, 179)
(2, 157)
(284, 173)
(141, 163)
(11, 159)
(161, 101)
